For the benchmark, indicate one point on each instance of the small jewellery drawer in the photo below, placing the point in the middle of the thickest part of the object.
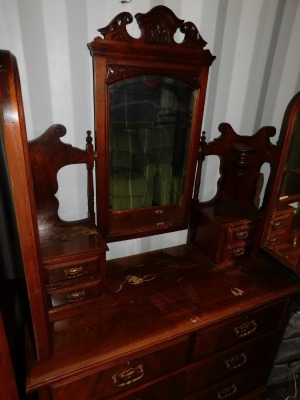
(229, 362)
(71, 270)
(237, 250)
(74, 293)
(240, 232)
(234, 387)
(108, 383)
(237, 330)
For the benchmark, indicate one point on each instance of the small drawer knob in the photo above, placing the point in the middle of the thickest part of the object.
(76, 296)
(73, 272)
(241, 235)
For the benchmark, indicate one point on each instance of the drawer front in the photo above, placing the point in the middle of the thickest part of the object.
(239, 233)
(72, 270)
(167, 389)
(228, 363)
(275, 237)
(237, 330)
(234, 387)
(236, 250)
(281, 221)
(115, 380)
(74, 294)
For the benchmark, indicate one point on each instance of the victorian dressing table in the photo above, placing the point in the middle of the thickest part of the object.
(196, 321)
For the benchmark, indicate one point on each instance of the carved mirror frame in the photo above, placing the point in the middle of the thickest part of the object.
(118, 56)
(281, 234)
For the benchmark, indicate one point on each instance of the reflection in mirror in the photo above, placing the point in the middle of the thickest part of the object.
(150, 124)
(282, 238)
(290, 185)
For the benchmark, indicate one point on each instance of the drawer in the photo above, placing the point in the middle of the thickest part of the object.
(237, 330)
(234, 387)
(281, 221)
(235, 250)
(239, 233)
(275, 237)
(71, 270)
(74, 293)
(227, 363)
(167, 389)
(108, 383)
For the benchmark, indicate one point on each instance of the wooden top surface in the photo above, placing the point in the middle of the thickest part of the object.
(154, 298)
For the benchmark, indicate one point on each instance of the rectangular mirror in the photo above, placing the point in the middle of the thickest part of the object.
(149, 100)
(282, 232)
(150, 123)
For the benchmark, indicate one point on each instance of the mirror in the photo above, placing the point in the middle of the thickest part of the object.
(149, 95)
(281, 237)
(150, 124)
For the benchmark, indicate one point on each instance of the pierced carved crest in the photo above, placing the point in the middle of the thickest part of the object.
(158, 27)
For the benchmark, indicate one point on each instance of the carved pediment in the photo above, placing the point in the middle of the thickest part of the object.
(158, 27)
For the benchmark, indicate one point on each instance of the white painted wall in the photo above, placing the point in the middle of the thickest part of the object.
(256, 73)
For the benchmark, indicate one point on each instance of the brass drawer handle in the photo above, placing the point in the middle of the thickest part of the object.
(236, 362)
(239, 251)
(242, 235)
(246, 329)
(227, 392)
(76, 296)
(273, 240)
(73, 272)
(277, 224)
(128, 376)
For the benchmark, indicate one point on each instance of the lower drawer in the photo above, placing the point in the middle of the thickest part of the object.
(235, 387)
(75, 293)
(230, 362)
(235, 250)
(108, 383)
(167, 389)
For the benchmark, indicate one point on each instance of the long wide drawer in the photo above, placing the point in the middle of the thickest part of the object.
(229, 362)
(237, 330)
(234, 387)
(171, 388)
(115, 380)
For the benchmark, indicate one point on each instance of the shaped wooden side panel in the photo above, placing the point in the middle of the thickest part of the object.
(16, 149)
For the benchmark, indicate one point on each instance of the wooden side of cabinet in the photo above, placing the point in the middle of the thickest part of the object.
(13, 131)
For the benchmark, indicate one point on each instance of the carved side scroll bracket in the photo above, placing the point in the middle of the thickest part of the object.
(48, 154)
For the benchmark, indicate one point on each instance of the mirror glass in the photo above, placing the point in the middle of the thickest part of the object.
(149, 134)
(283, 234)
